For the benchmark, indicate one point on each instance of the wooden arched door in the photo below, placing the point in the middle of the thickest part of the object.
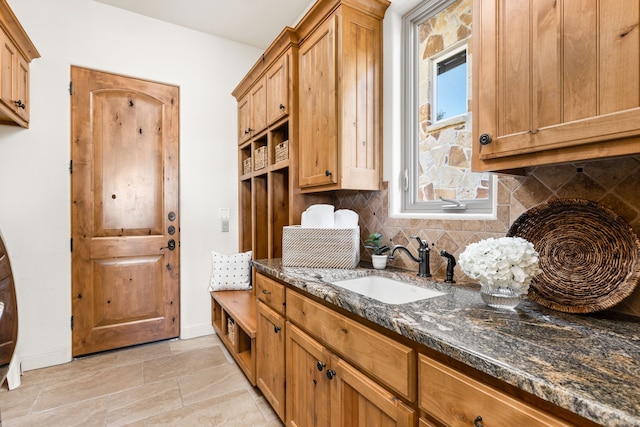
(124, 211)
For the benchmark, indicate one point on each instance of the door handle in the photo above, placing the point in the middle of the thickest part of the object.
(171, 245)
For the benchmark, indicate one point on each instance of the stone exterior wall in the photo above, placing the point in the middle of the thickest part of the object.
(444, 148)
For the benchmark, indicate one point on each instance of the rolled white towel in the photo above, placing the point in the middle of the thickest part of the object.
(318, 216)
(345, 218)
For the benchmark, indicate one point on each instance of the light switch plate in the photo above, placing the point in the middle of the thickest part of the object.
(223, 213)
(224, 225)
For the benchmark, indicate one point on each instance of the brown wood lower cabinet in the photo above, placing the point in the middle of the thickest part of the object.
(301, 366)
(389, 362)
(308, 388)
(318, 367)
(457, 400)
(324, 390)
(270, 360)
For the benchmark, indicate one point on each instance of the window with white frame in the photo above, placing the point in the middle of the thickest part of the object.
(437, 143)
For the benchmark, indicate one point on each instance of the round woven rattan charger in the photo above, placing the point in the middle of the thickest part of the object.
(589, 255)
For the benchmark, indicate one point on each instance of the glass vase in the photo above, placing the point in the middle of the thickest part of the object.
(505, 298)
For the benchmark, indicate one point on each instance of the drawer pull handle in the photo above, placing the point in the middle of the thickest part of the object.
(320, 365)
(266, 292)
(478, 421)
(331, 374)
(276, 329)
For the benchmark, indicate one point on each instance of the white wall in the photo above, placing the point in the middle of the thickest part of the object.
(35, 183)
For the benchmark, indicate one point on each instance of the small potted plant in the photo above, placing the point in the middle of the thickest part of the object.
(378, 258)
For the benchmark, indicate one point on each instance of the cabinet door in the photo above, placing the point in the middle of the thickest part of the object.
(8, 68)
(555, 75)
(360, 89)
(270, 357)
(244, 119)
(258, 95)
(318, 133)
(358, 401)
(308, 388)
(22, 88)
(278, 89)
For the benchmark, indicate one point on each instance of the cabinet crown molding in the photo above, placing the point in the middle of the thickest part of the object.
(287, 38)
(16, 32)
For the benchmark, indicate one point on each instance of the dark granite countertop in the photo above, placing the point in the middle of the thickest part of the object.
(587, 364)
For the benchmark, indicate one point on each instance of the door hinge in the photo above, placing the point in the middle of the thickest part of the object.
(72, 323)
(70, 88)
(71, 244)
(70, 166)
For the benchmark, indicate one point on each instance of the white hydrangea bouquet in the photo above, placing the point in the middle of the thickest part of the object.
(507, 262)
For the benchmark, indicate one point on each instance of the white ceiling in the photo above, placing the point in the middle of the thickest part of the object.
(252, 22)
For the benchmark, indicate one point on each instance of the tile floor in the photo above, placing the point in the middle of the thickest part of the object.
(178, 383)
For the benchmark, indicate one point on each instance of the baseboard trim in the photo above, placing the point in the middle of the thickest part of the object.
(44, 360)
(196, 331)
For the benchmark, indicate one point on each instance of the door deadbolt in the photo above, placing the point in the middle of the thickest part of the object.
(171, 230)
(172, 216)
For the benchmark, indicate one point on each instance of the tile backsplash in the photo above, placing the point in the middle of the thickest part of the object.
(611, 182)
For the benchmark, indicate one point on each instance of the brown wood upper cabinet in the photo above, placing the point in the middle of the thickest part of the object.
(340, 78)
(252, 111)
(266, 102)
(16, 52)
(277, 102)
(555, 81)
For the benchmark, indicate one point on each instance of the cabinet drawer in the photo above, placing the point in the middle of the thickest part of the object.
(380, 357)
(270, 292)
(456, 399)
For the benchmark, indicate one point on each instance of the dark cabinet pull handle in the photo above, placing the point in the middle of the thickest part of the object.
(320, 365)
(266, 292)
(331, 373)
(282, 107)
(20, 104)
(276, 329)
(485, 139)
(327, 172)
(478, 421)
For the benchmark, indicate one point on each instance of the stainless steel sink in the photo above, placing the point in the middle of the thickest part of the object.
(387, 290)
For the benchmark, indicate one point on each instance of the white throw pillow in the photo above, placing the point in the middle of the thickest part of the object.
(230, 272)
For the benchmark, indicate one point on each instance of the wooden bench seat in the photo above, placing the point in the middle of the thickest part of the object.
(233, 316)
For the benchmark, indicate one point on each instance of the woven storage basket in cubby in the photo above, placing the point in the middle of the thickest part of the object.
(589, 255)
(282, 151)
(320, 247)
(246, 166)
(260, 155)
